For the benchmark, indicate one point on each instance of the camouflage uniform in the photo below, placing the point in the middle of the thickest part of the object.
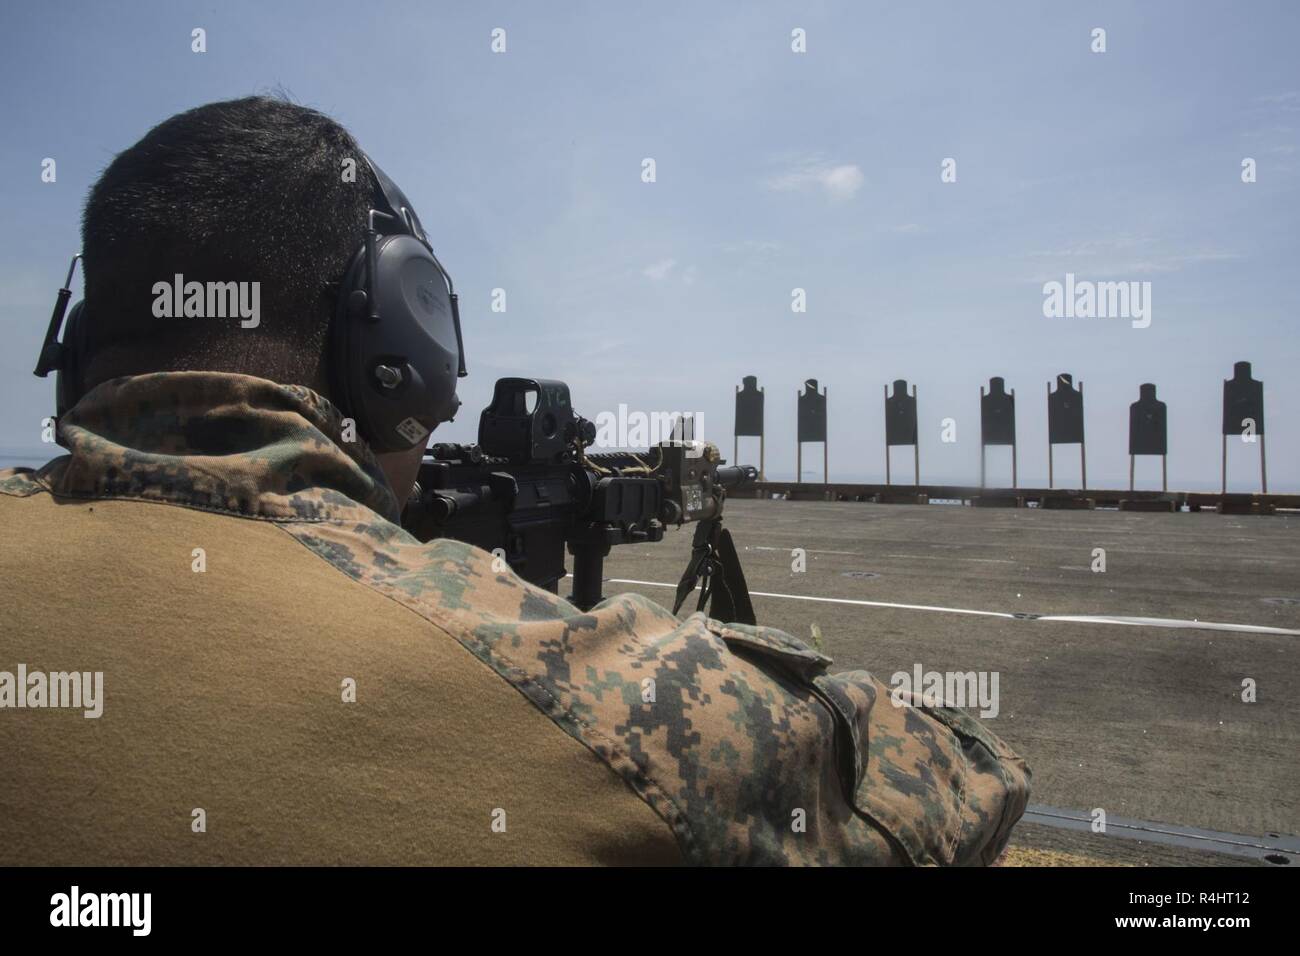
(738, 738)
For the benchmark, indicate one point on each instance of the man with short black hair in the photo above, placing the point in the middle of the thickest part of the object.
(289, 677)
(253, 188)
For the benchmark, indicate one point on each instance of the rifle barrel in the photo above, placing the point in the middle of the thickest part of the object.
(736, 476)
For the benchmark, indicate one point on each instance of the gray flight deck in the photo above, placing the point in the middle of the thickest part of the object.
(1144, 720)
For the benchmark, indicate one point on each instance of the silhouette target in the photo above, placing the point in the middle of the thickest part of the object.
(1148, 424)
(900, 416)
(997, 415)
(1243, 397)
(749, 408)
(1065, 413)
(812, 413)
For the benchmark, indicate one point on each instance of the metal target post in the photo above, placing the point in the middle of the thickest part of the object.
(1083, 445)
(997, 424)
(1050, 475)
(887, 478)
(901, 428)
(750, 421)
(1243, 403)
(1065, 424)
(811, 425)
(1148, 433)
(916, 450)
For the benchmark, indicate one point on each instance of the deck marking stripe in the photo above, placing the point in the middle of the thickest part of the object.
(852, 554)
(949, 557)
(1068, 618)
(1237, 844)
(805, 597)
(1169, 622)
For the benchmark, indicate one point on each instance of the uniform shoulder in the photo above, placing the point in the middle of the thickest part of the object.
(737, 736)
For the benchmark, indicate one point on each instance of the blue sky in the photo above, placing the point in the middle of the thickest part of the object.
(775, 170)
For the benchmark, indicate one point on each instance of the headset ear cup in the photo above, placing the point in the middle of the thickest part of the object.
(414, 335)
(67, 382)
(344, 344)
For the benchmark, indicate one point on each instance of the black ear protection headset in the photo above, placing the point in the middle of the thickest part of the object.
(396, 349)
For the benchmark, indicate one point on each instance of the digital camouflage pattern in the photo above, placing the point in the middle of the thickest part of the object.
(737, 736)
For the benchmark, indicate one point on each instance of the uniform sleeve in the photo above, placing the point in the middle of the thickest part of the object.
(934, 781)
(737, 736)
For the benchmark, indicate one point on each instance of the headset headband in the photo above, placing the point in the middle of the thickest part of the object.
(397, 208)
(380, 282)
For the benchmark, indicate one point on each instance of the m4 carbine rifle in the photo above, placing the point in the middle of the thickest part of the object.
(529, 488)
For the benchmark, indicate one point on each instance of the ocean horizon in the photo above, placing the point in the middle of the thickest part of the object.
(28, 459)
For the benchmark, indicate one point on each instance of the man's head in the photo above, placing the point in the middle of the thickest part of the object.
(245, 191)
(248, 190)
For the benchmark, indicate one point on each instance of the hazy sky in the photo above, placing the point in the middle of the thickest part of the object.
(775, 170)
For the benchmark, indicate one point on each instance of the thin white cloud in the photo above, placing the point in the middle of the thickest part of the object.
(1129, 268)
(1287, 102)
(1094, 247)
(840, 182)
(1174, 263)
(1123, 256)
(659, 270)
(754, 246)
